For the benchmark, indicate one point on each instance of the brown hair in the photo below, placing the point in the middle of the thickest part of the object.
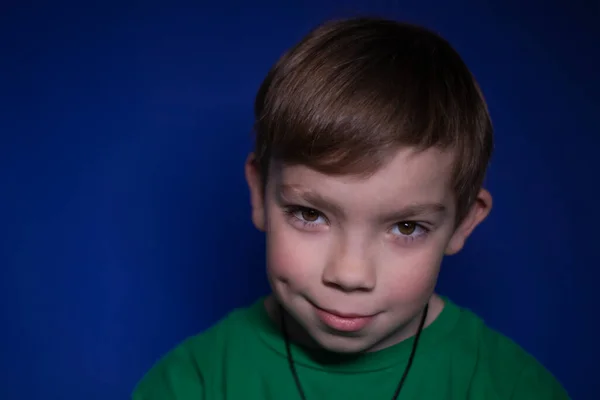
(354, 90)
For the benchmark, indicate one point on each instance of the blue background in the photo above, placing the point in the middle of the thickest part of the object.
(124, 216)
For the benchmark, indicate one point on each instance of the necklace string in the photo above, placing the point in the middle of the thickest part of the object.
(402, 379)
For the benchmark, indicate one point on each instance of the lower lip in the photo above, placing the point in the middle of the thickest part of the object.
(343, 324)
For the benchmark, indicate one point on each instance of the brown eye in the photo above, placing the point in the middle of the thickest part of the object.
(310, 215)
(407, 228)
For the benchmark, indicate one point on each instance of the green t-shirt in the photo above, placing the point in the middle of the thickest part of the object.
(244, 357)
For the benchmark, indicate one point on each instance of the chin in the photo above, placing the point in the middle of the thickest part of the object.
(342, 344)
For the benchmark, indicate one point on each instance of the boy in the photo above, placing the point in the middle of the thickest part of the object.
(372, 144)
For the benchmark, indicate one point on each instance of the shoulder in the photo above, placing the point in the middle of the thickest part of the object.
(504, 365)
(177, 375)
(536, 382)
(181, 373)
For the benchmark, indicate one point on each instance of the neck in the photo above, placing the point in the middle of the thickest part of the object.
(296, 332)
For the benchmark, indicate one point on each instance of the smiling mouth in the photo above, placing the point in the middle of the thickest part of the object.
(343, 322)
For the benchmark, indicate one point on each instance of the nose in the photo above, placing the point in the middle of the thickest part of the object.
(350, 269)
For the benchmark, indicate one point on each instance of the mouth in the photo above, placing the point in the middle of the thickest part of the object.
(343, 322)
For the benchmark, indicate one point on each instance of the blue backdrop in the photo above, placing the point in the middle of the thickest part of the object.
(124, 220)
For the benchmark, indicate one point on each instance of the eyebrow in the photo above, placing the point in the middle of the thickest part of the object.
(417, 210)
(284, 191)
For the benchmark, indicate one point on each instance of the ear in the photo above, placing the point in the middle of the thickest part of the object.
(478, 212)
(255, 184)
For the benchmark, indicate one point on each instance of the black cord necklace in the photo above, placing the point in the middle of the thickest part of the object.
(404, 375)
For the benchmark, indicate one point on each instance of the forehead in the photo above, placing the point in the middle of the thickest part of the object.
(409, 176)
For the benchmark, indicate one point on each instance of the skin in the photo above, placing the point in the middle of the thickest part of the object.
(353, 245)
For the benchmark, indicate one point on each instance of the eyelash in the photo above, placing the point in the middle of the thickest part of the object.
(293, 212)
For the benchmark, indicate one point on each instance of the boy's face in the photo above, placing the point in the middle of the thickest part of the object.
(355, 260)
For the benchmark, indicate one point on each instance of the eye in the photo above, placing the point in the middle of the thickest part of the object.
(407, 228)
(309, 215)
(305, 217)
(409, 231)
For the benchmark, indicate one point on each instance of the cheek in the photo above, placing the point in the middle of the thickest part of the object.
(292, 256)
(411, 277)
